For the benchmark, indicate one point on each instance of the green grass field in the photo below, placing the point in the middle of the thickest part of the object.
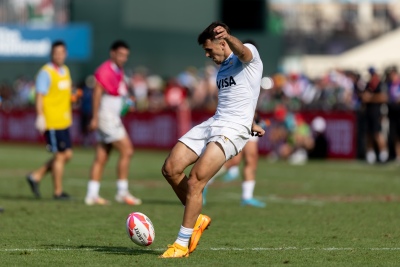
(332, 213)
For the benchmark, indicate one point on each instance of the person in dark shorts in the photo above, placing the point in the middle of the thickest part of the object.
(373, 97)
(53, 119)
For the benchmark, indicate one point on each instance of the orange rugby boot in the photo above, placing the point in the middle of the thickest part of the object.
(202, 223)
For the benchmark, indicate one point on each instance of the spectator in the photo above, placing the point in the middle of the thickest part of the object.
(86, 109)
(372, 98)
(320, 149)
(394, 110)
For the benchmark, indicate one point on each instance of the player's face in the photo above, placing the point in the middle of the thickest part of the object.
(120, 56)
(59, 54)
(214, 50)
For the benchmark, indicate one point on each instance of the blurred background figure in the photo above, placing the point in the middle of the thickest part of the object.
(393, 85)
(321, 144)
(110, 91)
(372, 98)
(86, 109)
(175, 94)
(290, 136)
(53, 119)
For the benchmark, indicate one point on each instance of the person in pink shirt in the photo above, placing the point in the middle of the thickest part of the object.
(108, 99)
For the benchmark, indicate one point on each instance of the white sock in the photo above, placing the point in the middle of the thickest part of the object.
(248, 189)
(371, 157)
(93, 189)
(383, 155)
(184, 236)
(122, 187)
(234, 171)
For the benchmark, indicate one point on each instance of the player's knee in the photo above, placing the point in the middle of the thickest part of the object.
(128, 152)
(101, 159)
(167, 170)
(170, 170)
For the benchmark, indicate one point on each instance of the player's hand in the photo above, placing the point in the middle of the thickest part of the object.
(40, 123)
(94, 124)
(257, 130)
(220, 33)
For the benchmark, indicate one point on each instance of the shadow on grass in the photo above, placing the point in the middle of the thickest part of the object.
(37, 200)
(105, 249)
(162, 202)
(18, 197)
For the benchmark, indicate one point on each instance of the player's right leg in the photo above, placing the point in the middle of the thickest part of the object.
(60, 159)
(177, 161)
(194, 223)
(92, 196)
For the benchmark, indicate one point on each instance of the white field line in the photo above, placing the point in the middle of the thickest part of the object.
(212, 249)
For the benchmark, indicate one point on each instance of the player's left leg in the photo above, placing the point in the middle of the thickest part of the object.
(232, 163)
(250, 152)
(206, 167)
(37, 175)
(125, 149)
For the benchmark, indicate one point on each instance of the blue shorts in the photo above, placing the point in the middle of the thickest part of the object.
(58, 140)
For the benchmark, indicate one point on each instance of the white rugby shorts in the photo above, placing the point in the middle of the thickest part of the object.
(231, 136)
(110, 128)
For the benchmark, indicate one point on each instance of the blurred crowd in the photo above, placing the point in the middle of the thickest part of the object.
(337, 90)
(374, 96)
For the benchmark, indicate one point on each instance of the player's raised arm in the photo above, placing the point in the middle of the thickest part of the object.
(237, 47)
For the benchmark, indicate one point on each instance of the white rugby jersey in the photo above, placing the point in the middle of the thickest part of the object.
(238, 89)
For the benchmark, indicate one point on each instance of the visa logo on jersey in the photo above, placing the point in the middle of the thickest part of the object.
(226, 82)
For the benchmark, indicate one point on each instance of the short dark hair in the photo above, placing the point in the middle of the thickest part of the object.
(118, 44)
(57, 43)
(209, 33)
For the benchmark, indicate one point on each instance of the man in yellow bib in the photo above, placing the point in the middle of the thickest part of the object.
(54, 117)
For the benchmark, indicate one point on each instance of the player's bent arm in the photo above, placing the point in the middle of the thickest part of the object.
(239, 49)
(97, 93)
(40, 123)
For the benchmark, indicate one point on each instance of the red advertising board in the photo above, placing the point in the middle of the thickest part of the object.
(162, 129)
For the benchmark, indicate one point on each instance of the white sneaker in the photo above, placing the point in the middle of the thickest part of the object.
(299, 157)
(383, 156)
(371, 157)
(90, 201)
(128, 199)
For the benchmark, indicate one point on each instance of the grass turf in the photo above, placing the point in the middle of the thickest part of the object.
(331, 213)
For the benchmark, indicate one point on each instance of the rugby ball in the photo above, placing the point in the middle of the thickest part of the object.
(140, 229)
